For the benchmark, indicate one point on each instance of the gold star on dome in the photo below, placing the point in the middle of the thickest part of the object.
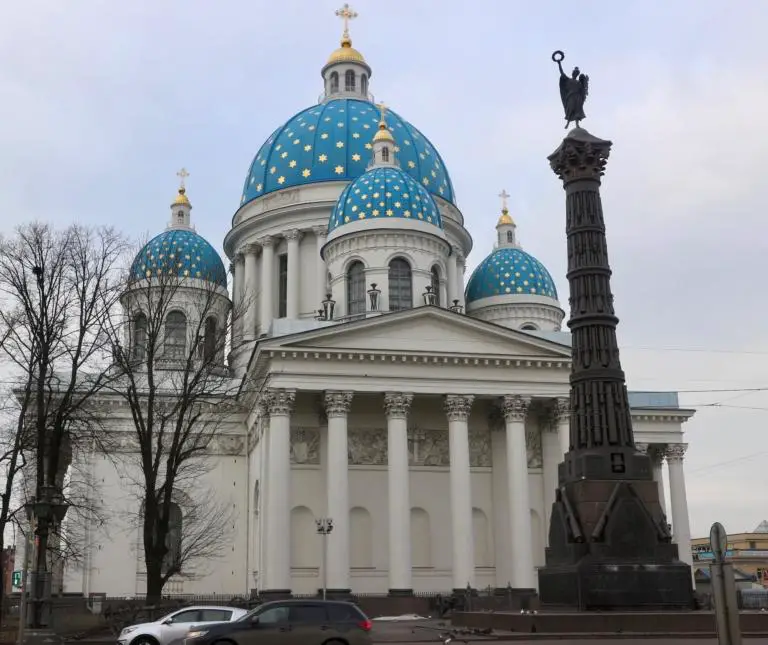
(272, 170)
(306, 172)
(355, 157)
(307, 148)
(322, 158)
(411, 164)
(292, 163)
(390, 212)
(324, 135)
(339, 170)
(355, 135)
(283, 155)
(339, 144)
(281, 180)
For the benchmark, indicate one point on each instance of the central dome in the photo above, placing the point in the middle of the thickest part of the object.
(332, 142)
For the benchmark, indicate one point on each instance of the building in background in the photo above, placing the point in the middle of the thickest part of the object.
(747, 551)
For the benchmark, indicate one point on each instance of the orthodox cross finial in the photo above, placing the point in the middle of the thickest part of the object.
(346, 14)
(182, 175)
(383, 119)
(504, 196)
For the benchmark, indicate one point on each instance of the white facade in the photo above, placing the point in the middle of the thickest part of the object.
(430, 436)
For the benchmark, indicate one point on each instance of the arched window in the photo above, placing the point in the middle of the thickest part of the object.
(175, 335)
(334, 82)
(400, 290)
(385, 154)
(209, 340)
(355, 289)
(435, 282)
(180, 216)
(529, 327)
(140, 337)
(364, 84)
(510, 237)
(349, 81)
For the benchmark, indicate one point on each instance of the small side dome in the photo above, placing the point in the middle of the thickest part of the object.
(182, 253)
(510, 271)
(384, 194)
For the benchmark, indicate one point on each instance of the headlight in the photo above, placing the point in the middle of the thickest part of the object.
(198, 633)
(128, 630)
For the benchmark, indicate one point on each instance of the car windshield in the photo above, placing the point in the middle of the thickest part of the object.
(248, 616)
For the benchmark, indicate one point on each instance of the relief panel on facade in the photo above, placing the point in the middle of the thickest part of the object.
(428, 447)
(480, 448)
(305, 446)
(533, 445)
(367, 447)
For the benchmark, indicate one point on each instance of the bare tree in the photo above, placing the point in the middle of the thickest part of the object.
(170, 342)
(56, 289)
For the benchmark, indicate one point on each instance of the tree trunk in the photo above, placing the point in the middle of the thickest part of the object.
(155, 582)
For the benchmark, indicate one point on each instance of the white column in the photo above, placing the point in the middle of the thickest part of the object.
(457, 409)
(396, 405)
(460, 278)
(337, 405)
(452, 280)
(551, 456)
(657, 454)
(278, 492)
(267, 281)
(502, 547)
(238, 269)
(321, 235)
(294, 281)
(562, 416)
(247, 300)
(515, 410)
(681, 530)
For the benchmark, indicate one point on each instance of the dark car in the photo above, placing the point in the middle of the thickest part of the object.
(290, 622)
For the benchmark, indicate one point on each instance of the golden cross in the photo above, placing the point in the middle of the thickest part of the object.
(182, 174)
(346, 14)
(504, 196)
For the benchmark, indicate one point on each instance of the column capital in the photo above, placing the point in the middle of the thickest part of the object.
(293, 234)
(232, 267)
(657, 452)
(580, 156)
(642, 448)
(337, 404)
(320, 231)
(515, 407)
(458, 406)
(675, 452)
(397, 404)
(267, 241)
(280, 401)
(561, 410)
(239, 256)
(249, 249)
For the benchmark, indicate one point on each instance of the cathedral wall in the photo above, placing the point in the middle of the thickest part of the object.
(114, 563)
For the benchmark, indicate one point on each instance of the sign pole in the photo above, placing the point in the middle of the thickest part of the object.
(724, 589)
(23, 601)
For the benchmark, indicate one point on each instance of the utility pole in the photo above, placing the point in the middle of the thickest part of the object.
(324, 529)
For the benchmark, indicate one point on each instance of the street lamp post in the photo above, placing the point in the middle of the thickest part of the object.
(46, 511)
(324, 528)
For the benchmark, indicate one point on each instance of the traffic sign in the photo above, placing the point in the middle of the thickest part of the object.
(718, 541)
(16, 579)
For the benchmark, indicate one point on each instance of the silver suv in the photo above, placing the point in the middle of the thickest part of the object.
(174, 626)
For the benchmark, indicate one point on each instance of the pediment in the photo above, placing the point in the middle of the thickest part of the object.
(426, 330)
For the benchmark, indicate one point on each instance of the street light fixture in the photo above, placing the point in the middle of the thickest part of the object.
(324, 529)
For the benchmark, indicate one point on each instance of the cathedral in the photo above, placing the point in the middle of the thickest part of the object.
(417, 412)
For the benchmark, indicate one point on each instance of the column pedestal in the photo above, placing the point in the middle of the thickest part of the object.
(277, 579)
(457, 409)
(396, 405)
(337, 406)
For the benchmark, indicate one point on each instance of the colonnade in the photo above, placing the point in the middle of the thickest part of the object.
(254, 291)
(518, 569)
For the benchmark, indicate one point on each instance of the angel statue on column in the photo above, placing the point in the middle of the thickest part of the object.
(573, 91)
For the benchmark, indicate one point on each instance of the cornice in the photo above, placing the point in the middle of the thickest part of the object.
(662, 415)
(425, 358)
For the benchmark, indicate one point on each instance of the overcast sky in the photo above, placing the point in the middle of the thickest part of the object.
(101, 102)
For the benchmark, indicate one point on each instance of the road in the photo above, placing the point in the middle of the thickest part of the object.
(413, 633)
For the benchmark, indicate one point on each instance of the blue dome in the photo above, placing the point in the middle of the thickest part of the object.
(384, 193)
(510, 271)
(332, 142)
(179, 252)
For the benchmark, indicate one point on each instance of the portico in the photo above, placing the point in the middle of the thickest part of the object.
(430, 488)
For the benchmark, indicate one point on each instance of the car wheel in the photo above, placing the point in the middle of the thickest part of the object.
(144, 640)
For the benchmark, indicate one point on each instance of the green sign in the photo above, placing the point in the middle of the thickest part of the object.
(16, 579)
